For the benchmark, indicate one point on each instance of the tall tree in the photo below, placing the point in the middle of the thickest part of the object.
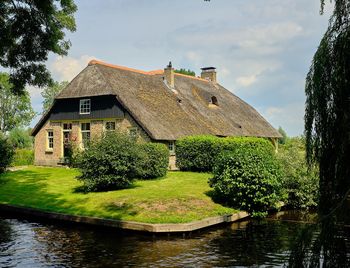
(327, 117)
(327, 129)
(15, 111)
(29, 31)
(50, 92)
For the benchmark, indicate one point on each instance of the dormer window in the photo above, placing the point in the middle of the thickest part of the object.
(85, 106)
(214, 101)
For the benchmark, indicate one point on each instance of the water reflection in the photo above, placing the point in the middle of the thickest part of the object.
(28, 244)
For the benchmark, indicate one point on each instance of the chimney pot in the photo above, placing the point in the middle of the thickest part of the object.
(169, 75)
(209, 73)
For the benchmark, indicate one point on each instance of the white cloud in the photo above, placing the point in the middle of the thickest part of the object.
(290, 117)
(66, 68)
(246, 81)
(261, 39)
(193, 56)
(34, 92)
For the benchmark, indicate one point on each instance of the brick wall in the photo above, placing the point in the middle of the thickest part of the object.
(43, 156)
(52, 157)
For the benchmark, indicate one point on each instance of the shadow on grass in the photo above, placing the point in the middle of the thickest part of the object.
(3, 179)
(216, 198)
(29, 189)
(120, 208)
(85, 189)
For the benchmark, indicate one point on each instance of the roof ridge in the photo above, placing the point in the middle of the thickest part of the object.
(154, 72)
(192, 77)
(97, 62)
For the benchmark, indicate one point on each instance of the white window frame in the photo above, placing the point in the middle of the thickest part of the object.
(171, 146)
(133, 132)
(49, 140)
(85, 131)
(110, 130)
(85, 106)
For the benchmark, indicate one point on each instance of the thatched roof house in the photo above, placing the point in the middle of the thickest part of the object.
(164, 104)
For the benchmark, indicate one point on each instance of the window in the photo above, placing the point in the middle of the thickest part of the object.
(214, 101)
(110, 126)
(67, 129)
(50, 139)
(67, 126)
(171, 146)
(85, 106)
(133, 132)
(85, 133)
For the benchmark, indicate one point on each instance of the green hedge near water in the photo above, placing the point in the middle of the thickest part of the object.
(199, 153)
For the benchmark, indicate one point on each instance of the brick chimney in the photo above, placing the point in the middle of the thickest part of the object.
(169, 75)
(209, 73)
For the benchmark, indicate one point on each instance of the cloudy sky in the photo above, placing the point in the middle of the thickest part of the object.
(262, 49)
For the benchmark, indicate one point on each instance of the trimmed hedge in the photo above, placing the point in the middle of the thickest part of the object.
(154, 160)
(6, 153)
(23, 157)
(247, 179)
(115, 160)
(199, 153)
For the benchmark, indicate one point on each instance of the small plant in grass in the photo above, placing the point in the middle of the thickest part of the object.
(108, 163)
(247, 179)
(6, 153)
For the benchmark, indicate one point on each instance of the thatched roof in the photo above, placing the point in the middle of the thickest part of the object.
(166, 114)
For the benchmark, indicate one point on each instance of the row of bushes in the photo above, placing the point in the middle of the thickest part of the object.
(199, 153)
(249, 175)
(115, 160)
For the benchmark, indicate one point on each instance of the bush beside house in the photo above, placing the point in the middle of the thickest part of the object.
(23, 157)
(115, 160)
(153, 162)
(247, 179)
(199, 153)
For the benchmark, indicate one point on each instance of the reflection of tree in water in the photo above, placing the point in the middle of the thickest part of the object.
(265, 242)
(327, 129)
(6, 232)
(323, 245)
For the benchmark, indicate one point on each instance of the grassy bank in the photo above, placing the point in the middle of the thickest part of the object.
(177, 198)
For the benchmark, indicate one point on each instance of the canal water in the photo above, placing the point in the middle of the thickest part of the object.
(33, 243)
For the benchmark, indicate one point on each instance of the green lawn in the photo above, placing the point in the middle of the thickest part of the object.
(177, 198)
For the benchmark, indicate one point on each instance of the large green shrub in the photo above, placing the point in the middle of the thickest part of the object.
(115, 160)
(6, 153)
(108, 163)
(153, 160)
(247, 179)
(23, 157)
(196, 153)
(300, 182)
(199, 153)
